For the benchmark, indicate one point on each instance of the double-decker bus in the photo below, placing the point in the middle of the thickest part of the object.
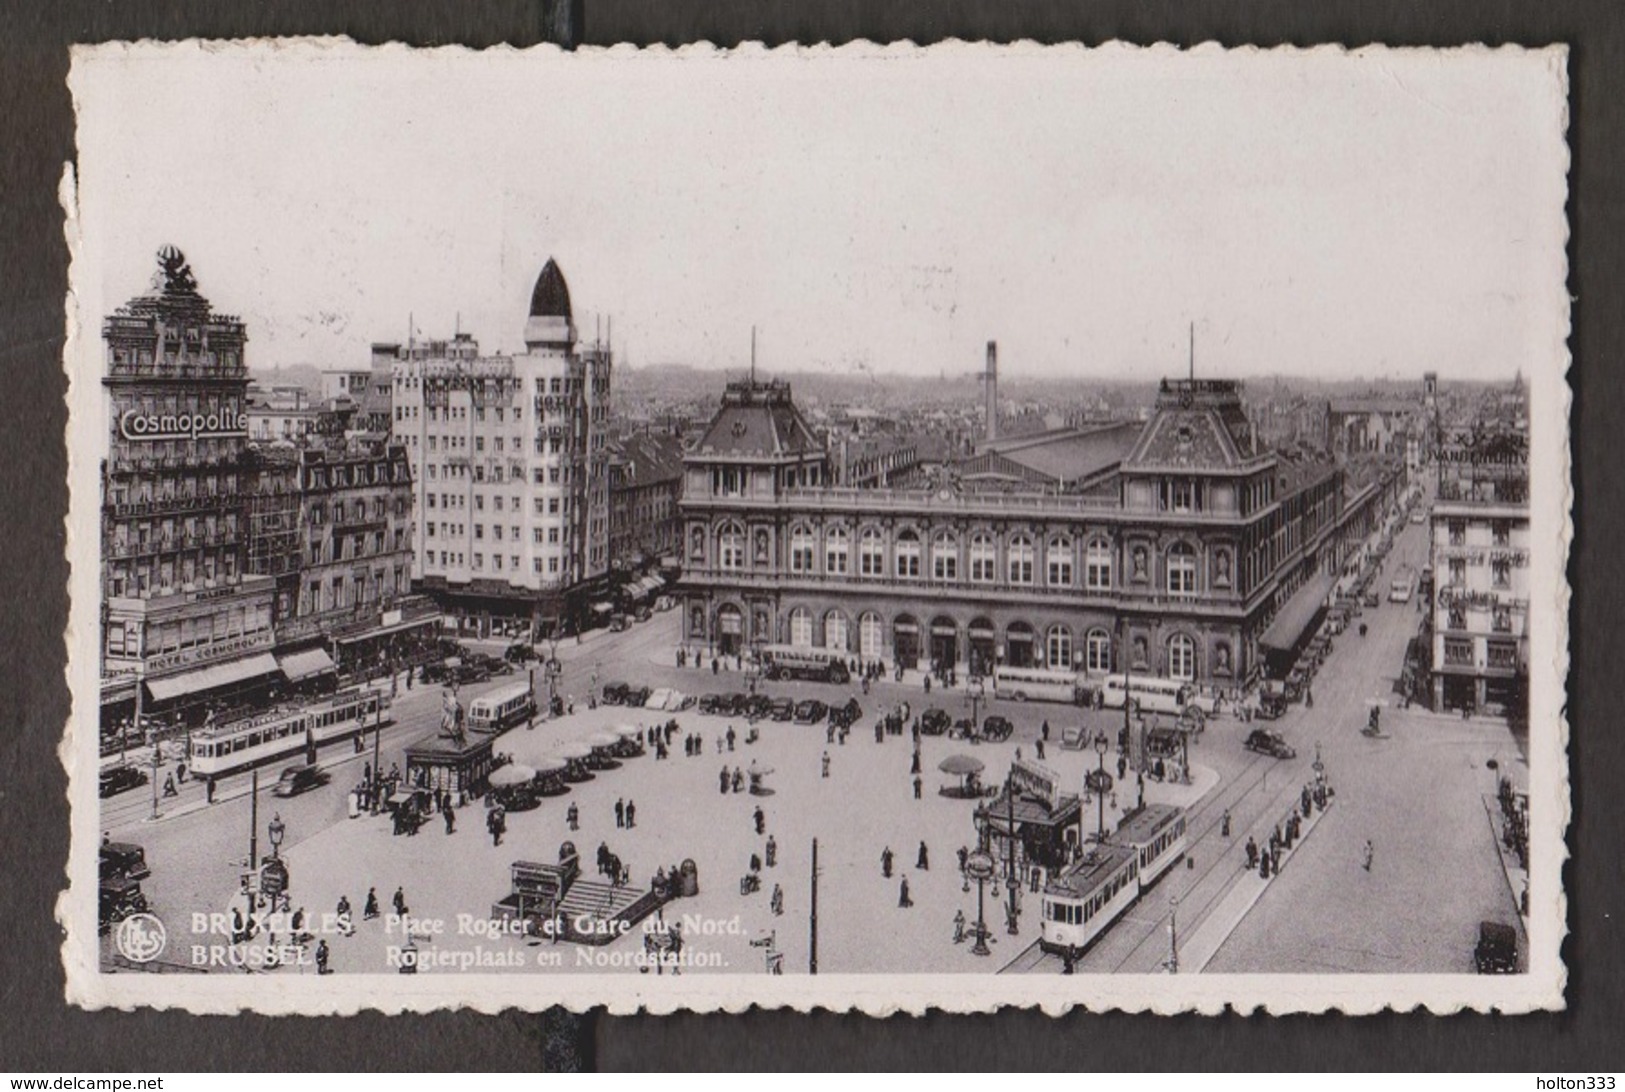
(798, 662)
(501, 708)
(1037, 684)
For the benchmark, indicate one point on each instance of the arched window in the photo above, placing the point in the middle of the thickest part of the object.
(1097, 651)
(1021, 560)
(984, 559)
(1058, 562)
(869, 634)
(1181, 658)
(731, 547)
(1058, 647)
(944, 557)
(835, 551)
(908, 555)
(1181, 569)
(1097, 566)
(801, 627)
(835, 635)
(872, 553)
(802, 547)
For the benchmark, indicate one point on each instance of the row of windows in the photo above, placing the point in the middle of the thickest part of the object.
(167, 577)
(450, 559)
(458, 530)
(912, 559)
(341, 592)
(552, 475)
(1500, 532)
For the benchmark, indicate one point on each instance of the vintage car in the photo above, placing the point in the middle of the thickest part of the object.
(782, 709)
(845, 716)
(1271, 704)
(997, 729)
(122, 778)
(614, 693)
(758, 706)
(298, 779)
(1266, 742)
(119, 898)
(637, 696)
(123, 861)
(521, 653)
(934, 721)
(1497, 950)
(811, 711)
(711, 704)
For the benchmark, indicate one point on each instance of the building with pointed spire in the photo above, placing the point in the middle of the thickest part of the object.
(511, 465)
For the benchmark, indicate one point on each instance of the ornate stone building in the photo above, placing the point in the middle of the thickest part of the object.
(1173, 559)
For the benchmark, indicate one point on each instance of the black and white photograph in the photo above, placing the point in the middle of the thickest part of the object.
(880, 527)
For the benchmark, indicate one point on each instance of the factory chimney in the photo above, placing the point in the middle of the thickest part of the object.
(991, 381)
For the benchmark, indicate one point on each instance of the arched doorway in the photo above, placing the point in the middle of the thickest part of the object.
(801, 627)
(870, 642)
(1018, 645)
(983, 641)
(730, 629)
(835, 631)
(944, 642)
(905, 640)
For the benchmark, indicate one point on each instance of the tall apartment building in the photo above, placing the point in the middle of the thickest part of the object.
(510, 464)
(182, 615)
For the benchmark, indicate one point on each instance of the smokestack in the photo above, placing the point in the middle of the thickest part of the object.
(991, 381)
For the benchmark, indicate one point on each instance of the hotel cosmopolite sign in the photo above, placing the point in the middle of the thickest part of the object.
(136, 425)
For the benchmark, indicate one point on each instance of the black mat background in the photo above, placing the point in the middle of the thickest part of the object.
(38, 1032)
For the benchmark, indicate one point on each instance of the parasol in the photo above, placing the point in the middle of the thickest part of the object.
(603, 739)
(505, 777)
(574, 751)
(961, 765)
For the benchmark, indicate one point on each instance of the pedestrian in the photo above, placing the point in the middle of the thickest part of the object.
(341, 915)
(903, 901)
(620, 814)
(772, 851)
(1043, 732)
(1122, 766)
(730, 737)
(1370, 852)
(631, 814)
(1308, 697)
(886, 862)
(1252, 853)
(959, 926)
(399, 901)
(726, 780)
(964, 856)
(829, 732)
(761, 820)
(917, 785)
(369, 909)
(496, 822)
(321, 957)
(826, 763)
(923, 863)
(880, 731)
(739, 779)
(1039, 747)
(1224, 823)
(914, 765)
(451, 820)
(169, 786)
(720, 742)
(572, 815)
(1264, 865)
(776, 903)
(1018, 754)
(755, 864)
(366, 771)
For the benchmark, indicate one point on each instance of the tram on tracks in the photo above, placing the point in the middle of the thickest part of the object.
(289, 730)
(502, 708)
(1085, 899)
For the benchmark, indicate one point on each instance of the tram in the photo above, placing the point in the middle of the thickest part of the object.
(1089, 896)
(502, 708)
(287, 730)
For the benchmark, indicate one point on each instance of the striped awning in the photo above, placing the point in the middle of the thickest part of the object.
(216, 675)
(306, 663)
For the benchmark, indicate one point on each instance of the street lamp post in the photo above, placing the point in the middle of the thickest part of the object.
(979, 867)
(1011, 883)
(1099, 782)
(1173, 935)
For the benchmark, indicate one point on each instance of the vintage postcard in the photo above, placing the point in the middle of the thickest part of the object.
(871, 528)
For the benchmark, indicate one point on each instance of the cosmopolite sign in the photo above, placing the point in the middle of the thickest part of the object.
(136, 425)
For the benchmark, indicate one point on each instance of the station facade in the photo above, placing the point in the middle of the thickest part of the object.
(1171, 561)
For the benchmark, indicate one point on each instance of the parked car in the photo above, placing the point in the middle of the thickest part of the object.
(811, 711)
(782, 709)
(845, 716)
(123, 861)
(118, 899)
(711, 704)
(934, 722)
(521, 653)
(637, 696)
(298, 779)
(997, 729)
(733, 705)
(614, 693)
(1271, 705)
(1266, 742)
(758, 706)
(117, 779)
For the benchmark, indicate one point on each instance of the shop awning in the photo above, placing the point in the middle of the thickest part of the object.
(304, 664)
(216, 675)
(1299, 615)
(384, 631)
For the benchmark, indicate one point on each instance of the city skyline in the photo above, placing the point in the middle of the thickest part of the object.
(1348, 235)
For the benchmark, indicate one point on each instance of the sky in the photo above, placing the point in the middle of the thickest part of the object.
(1311, 213)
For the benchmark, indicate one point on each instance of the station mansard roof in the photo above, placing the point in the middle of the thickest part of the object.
(1198, 424)
(757, 421)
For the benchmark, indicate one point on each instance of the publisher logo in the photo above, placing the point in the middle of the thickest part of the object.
(141, 938)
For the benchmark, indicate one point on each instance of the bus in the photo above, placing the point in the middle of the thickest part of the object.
(501, 708)
(1037, 684)
(1152, 695)
(797, 662)
(1401, 587)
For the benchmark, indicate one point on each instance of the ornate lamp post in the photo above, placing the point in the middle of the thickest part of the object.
(979, 867)
(975, 694)
(1011, 882)
(1099, 782)
(277, 830)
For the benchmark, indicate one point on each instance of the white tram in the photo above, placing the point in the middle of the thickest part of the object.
(1085, 899)
(286, 730)
(501, 708)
